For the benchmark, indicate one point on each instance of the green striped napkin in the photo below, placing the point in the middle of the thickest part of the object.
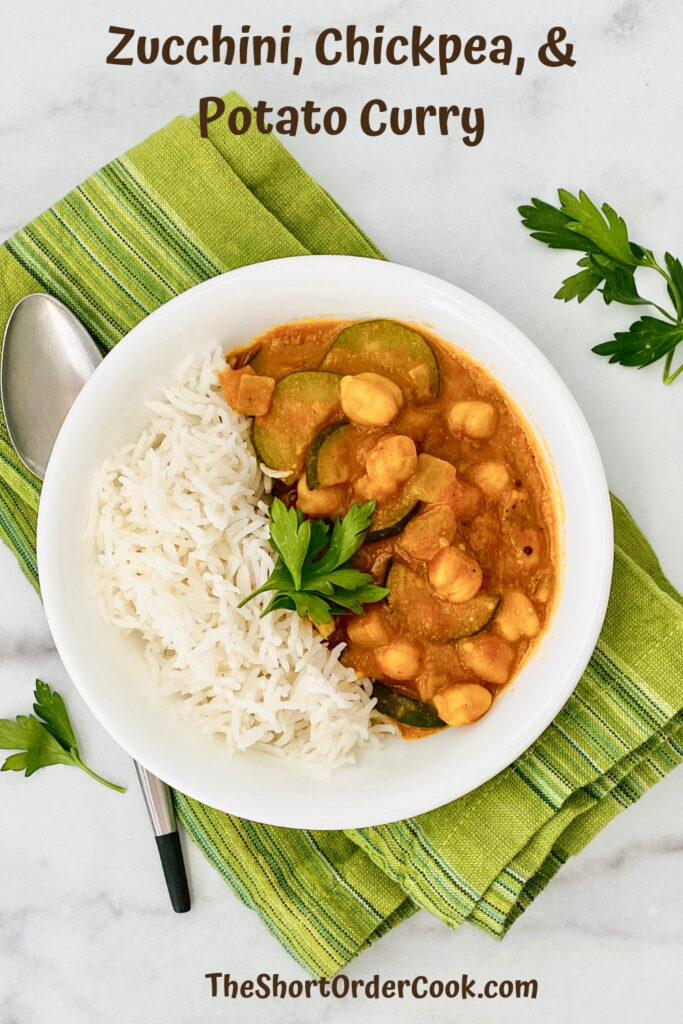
(174, 211)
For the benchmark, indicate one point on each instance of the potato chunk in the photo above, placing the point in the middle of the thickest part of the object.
(367, 630)
(391, 462)
(229, 380)
(400, 659)
(454, 575)
(465, 499)
(488, 657)
(474, 419)
(492, 477)
(517, 617)
(370, 399)
(246, 392)
(323, 501)
(462, 703)
(433, 481)
(255, 395)
(432, 530)
(484, 536)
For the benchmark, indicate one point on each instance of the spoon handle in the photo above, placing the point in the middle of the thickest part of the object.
(162, 815)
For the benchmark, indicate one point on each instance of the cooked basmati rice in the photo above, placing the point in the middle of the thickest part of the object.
(180, 529)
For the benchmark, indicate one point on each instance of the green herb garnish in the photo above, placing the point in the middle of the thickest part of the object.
(609, 266)
(43, 740)
(312, 575)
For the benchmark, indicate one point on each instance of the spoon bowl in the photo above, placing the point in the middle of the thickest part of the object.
(47, 356)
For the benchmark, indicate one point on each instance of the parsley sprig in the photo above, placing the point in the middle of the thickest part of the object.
(312, 575)
(44, 738)
(609, 265)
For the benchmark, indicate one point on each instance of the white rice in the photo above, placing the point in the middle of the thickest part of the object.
(180, 529)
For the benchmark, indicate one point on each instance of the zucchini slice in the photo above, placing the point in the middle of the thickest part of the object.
(389, 348)
(334, 455)
(419, 610)
(404, 709)
(303, 403)
(391, 516)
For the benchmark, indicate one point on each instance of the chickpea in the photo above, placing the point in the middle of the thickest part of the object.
(400, 659)
(454, 575)
(492, 477)
(323, 501)
(462, 703)
(370, 399)
(367, 630)
(475, 419)
(517, 617)
(488, 657)
(432, 530)
(391, 462)
(434, 479)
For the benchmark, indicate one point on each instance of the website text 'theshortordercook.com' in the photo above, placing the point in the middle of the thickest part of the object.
(272, 986)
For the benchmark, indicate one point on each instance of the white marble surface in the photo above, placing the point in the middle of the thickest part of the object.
(86, 933)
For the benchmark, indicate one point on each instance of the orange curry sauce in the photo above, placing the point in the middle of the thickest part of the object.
(460, 485)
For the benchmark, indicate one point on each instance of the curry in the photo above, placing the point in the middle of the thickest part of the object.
(463, 534)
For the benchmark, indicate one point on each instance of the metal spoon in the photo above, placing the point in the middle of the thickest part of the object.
(47, 356)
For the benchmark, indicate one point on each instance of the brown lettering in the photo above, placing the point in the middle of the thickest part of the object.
(127, 34)
(204, 119)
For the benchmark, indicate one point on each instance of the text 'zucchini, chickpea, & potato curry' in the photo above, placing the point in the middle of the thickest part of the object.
(463, 534)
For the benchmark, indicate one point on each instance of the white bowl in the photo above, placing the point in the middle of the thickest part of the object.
(107, 667)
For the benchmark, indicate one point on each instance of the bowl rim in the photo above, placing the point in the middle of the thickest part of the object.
(67, 643)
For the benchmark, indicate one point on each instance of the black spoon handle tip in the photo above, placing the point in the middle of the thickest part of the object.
(171, 855)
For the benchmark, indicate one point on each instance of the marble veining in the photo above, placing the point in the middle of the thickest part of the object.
(86, 933)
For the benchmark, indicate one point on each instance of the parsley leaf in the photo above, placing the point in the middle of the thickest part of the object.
(353, 600)
(282, 599)
(604, 228)
(43, 740)
(320, 532)
(646, 341)
(580, 285)
(312, 575)
(51, 708)
(347, 537)
(550, 225)
(38, 746)
(609, 266)
(290, 536)
(675, 284)
(312, 605)
(620, 283)
(347, 578)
